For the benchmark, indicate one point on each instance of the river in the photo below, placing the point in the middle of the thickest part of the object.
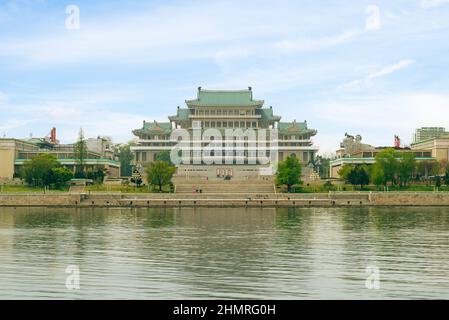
(225, 253)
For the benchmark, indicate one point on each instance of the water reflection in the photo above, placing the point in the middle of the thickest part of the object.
(224, 253)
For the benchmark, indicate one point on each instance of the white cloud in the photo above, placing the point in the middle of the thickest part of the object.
(433, 3)
(305, 44)
(384, 71)
(373, 20)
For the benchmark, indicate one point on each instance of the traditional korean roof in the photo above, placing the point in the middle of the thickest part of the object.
(295, 128)
(154, 128)
(267, 114)
(181, 115)
(225, 98)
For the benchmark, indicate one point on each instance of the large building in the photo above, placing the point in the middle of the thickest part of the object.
(222, 110)
(426, 133)
(15, 152)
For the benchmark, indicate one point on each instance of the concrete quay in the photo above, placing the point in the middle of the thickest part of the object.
(332, 199)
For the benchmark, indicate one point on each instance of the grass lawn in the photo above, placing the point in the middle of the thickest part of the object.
(28, 189)
(125, 189)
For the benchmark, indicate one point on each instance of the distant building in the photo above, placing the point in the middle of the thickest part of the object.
(221, 110)
(353, 151)
(15, 152)
(426, 133)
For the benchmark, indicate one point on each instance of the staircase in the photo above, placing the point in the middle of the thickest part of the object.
(220, 186)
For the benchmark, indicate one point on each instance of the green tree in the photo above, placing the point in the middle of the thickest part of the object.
(159, 173)
(60, 176)
(289, 172)
(344, 171)
(38, 171)
(406, 167)
(359, 176)
(80, 155)
(437, 181)
(125, 157)
(323, 166)
(164, 156)
(377, 175)
(387, 162)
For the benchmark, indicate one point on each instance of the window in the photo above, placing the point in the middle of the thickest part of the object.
(242, 124)
(218, 124)
(225, 112)
(144, 156)
(218, 112)
(236, 112)
(254, 124)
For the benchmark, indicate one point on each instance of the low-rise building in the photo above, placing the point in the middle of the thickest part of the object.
(15, 152)
(353, 151)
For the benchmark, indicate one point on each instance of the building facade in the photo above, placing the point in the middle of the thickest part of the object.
(223, 110)
(426, 133)
(15, 152)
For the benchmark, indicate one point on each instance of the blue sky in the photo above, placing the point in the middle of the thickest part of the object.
(375, 68)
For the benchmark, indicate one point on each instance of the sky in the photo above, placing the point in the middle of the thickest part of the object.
(374, 68)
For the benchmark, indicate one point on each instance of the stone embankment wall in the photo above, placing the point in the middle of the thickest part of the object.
(227, 200)
(39, 200)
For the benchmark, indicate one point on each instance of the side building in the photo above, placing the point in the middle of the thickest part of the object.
(221, 110)
(15, 152)
(353, 151)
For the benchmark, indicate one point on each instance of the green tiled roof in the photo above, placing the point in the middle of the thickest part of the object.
(182, 114)
(154, 128)
(267, 114)
(225, 98)
(295, 128)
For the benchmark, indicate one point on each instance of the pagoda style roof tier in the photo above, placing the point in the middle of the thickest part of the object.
(295, 128)
(181, 115)
(267, 114)
(154, 128)
(225, 98)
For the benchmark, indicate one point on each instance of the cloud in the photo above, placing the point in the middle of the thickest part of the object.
(433, 3)
(373, 20)
(384, 71)
(305, 44)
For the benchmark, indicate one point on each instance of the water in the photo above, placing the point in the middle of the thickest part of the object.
(293, 253)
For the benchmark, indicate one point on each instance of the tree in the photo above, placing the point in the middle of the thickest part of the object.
(60, 176)
(388, 164)
(97, 176)
(289, 172)
(165, 157)
(345, 170)
(446, 178)
(437, 181)
(159, 173)
(80, 155)
(323, 166)
(406, 167)
(125, 157)
(38, 171)
(377, 175)
(358, 176)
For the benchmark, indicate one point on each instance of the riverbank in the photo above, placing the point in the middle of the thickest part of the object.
(331, 199)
